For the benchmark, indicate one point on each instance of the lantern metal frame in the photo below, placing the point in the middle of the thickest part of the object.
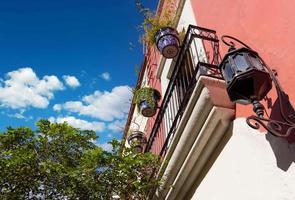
(275, 127)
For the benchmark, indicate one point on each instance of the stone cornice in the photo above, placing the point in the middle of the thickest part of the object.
(206, 120)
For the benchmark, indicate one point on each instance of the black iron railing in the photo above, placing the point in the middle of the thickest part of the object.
(199, 55)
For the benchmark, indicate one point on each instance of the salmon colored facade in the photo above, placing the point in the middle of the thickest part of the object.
(267, 26)
(153, 57)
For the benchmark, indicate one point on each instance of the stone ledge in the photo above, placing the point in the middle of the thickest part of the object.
(209, 110)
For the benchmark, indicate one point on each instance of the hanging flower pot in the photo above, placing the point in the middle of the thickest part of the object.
(137, 140)
(147, 99)
(158, 30)
(167, 42)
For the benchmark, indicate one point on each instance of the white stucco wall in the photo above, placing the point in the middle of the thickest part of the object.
(252, 166)
(187, 16)
(164, 79)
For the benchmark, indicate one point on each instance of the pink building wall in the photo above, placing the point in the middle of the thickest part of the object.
(153, 57)
(268, 26)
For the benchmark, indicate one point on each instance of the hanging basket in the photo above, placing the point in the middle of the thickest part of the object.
(167, 42)
(147, 99)
(137, 140)
(146, 109)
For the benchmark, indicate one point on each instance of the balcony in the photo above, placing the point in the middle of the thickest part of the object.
(199, 56)
(195, 118)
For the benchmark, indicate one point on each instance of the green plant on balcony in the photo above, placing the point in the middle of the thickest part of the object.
(146, 99)
(152, 24)
(158, 29)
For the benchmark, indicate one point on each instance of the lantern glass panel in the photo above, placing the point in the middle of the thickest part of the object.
(228, 72)
(256, 62)
(242, 64)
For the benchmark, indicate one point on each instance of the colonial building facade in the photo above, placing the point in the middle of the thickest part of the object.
(209, 151)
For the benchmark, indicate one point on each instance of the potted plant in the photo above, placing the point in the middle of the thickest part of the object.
(136, 139)
(146, 99)
(159, 30)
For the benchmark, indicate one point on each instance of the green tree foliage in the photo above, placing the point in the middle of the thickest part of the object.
(61, 162)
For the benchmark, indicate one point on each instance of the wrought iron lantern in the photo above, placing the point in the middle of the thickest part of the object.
(137, 140)
(248, 80)
(245, 74)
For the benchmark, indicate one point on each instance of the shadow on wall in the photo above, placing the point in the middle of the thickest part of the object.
(283, 148)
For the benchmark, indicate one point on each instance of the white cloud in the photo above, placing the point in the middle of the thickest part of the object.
(22, 88)
(79, 123)
(17, 116)
(106, 146)
(117, 126)
(57, 107)
(71, 81)
(106, 76)
(106, 105)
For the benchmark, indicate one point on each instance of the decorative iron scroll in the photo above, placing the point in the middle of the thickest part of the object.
(274, 127)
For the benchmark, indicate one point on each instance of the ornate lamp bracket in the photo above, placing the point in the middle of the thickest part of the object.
(279, 128)
(283, 127)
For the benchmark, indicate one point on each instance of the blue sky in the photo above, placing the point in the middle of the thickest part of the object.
(69, 60)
